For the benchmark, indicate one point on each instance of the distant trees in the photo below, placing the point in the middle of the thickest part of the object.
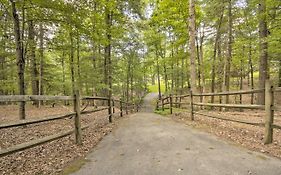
(61, 46)
(231, 40)
(117, 47)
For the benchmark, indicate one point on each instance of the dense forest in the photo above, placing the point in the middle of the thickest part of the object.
(121, 48)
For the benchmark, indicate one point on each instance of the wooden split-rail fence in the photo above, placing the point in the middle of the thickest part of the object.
(124, 107)
(268, 107)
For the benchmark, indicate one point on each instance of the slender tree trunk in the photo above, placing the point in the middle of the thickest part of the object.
(202, 36)
(198, 67)
(107, 56)
(279, 81)
(192, 49)
(182, 75)
(33, 71)
(241, 80)
(229, 53)
(63, 75)
(158, 77)
(20, 58)
(71, 61)
(214, 64)
(128, 80)
(166, 77)
(263, 62)
(41, 55)
(251, 72)
(220, 77)
(78, 62)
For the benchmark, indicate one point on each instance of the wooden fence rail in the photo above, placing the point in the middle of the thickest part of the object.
(77, 114)
(269, 107)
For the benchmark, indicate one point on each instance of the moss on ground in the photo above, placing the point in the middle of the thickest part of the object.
(75, 166)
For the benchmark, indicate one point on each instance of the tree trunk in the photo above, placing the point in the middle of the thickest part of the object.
(158, 77)
(78, 62)
(107, 57)
(33, 71)
(166, 77)
(41, 54)
(251, 72)
(263, 62)
(192, 49)
(20, 58)
(279, 81)
(229, 53)
(71, 62)
(214, 64)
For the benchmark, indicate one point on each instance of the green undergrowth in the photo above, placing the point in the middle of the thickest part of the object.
(166, 112)
(154, 88)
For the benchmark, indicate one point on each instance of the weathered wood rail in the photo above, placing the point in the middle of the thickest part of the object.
(76, 114)
(269, 107)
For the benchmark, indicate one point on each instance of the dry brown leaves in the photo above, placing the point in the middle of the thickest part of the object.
(52, 157)
(248, 136)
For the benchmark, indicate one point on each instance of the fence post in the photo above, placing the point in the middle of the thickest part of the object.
(163, 106)
(127, 108)
(191, 105)
(121, 108)
(180, 103)
(134, 107)
(176, 100)
(157, 105)
(109, 110)
(113, 106)
(171, 104)
(77, 119)
(269, 113)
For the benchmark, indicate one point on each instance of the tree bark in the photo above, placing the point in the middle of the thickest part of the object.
(33, 72)
(158, 77)
(41, 55)
(279, 81)
(263, 62)
(71, 62)
(107, 57)
(229, 53)
(20, 58)
(214, 64)
(251, 71)
(78, 62)
(192, 49)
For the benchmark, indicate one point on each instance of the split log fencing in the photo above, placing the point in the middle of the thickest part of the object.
(77, 112)
(268, 107)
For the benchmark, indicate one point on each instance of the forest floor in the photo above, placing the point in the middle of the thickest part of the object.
(52, 157)
(248, 136)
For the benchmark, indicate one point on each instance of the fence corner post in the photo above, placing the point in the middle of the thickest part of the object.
(163, 106)
(157, 105)
(77, 119)
(127, 112)
(109, 110)
(269, 113)
(191, 105)
(171, 104)
(121, 108)
(113, 106)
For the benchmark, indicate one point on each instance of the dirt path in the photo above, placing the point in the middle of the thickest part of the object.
(149, 144)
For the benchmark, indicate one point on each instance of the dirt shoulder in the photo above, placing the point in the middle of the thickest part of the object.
(250, 137)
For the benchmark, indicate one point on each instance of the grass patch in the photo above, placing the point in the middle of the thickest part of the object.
(154, 88)
(167, 111)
